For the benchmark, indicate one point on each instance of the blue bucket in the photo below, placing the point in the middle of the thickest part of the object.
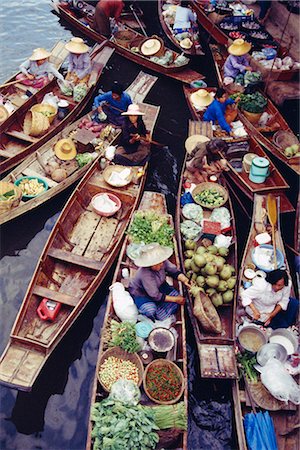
(259, 170)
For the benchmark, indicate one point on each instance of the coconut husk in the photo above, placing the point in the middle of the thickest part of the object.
(206, 313)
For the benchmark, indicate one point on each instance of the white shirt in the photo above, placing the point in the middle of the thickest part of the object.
(264, 299)
(183, 18)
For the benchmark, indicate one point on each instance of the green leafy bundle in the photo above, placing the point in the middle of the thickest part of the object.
(118, 427)
(246, 363)
(123, 335)
(148, 227)
(253, 103)
(170, 416)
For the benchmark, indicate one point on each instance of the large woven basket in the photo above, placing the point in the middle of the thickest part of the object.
(206, 313)
(47, 110)
(122, 354)
(208, 185)
(35, 123)
(252, 117)
(11, 202)
(165, 363)
(124, 37)
(116, 168)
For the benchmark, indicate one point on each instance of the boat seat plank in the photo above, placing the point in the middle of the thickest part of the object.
(32, 173)
(104, 234)
(83, 231)
(99, 62)
(55, 295)
(75, 259)
(21, 135)
(20, 364)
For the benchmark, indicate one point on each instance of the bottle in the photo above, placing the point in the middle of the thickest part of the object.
(102, 163)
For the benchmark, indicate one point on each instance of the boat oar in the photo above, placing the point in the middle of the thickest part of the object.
(138, 20)
(10, 83)
(272, 214)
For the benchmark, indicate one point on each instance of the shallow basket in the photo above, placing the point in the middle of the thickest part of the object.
(116, 168)
(47, 110)
(124, 37)
(166, 363)
(13, 201)
(284, 139)
(207, 185)
(122, 354)
(35, 123)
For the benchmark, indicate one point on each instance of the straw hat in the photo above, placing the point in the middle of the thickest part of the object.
(239, 47)
(133, 110)
(3, 113)
(76, 45)
(186, 43)
(39, 53)
(150, 47)
(193, 140)
(152, 254)
(65, 149)
(201, 98)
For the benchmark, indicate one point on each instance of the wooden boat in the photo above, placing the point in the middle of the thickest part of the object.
(194, 50)
(284, 416)
(157, 203)
(211, 27)
(273, 183)
(13, 93)
(80, 19)
(78, 254)
(32, 167)
(263, 135)
(16, 145)
(216, 351)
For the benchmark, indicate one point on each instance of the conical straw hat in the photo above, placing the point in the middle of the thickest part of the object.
(152, 254)
(239, 47)
(39, 53)
(150, 47)
(76, 45)
(201, 98)
(194, 140)
(65, 149)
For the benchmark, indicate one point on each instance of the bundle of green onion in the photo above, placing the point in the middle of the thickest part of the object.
(170, 416)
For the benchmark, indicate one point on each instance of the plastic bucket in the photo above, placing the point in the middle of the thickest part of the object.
(260, 169)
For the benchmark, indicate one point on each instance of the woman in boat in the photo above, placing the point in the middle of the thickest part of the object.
(237, 63)
(217, 109)
(79, 61)
(37, 70)
(135, 146)
(153, 296)
(268, 300)
(204, 160)
(185, 20)
(106, 10)
(113, 104)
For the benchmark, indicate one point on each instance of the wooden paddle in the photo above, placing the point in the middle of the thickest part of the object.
(272, 215)
(10, 83)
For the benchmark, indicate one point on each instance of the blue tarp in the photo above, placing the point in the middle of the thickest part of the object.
(260, 432)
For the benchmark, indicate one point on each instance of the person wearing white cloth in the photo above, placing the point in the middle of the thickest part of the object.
(268, 300)
(184, 19)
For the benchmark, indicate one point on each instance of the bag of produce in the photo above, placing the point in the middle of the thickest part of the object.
(190, 230)
(79, 92)
(126, 392)
(123, 303)
(206, 313)
(193, 212)
(65, 87)
(279, 382)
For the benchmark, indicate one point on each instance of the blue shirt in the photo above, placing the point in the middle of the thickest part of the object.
(215, 112)
(114, 105)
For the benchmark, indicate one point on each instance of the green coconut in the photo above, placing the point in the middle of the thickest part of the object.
(200, 260)
(189, 253)
(187, 264)
(194, 267)
(223, 251)
(222, 286)
(231, 282)
(212, 281)
(227, 296)
(200, 280)
(190, 244)
(212, 249)
(217, 300)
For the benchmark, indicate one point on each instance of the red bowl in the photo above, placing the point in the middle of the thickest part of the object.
(112, 197)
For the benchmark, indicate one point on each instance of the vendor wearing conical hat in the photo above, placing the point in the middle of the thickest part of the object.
(79, 61)
(215, 112)
(37, 69)
(153, 296)
(238, 60)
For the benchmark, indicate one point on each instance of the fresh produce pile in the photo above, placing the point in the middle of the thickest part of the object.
(163, 382)
(210, 197)
(7, 195)
(291, 151)
(246, 364)
(123, 335)
(207, 267)
(31, 187)
(254, 103)
(114, 368)
(149, 227)
(79, 92)
(84, 158)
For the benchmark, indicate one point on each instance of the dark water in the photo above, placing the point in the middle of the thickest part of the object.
(54, 416)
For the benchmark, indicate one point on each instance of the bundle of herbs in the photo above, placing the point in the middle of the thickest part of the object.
(123, 335)
(170, 416)
(246, 365)
(148, 227)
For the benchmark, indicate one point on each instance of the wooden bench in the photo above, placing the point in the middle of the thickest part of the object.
(56, 296)
(22, 136)
(75, 259)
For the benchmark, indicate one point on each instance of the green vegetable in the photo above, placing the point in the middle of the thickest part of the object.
(247, 366)
(148, 227)
(83, 159)
(117, 427)
(170, 416)
(80, 91)
(210, 197)
(7, 195)
(124, 336)
(126, 392)
(253, 103)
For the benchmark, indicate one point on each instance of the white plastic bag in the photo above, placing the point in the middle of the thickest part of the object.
(110, 152)
(279, 382)
(123, 303)
(51, 99)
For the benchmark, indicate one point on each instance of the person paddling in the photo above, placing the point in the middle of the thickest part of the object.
(79, 61)
(37, 70)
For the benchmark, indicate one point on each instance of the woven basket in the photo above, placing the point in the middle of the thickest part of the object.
(284, 139)
(116, 168)
(11, 202)
(165, 363)
(207, 185)
(35, 123)
(207, 314)
(122, 354)
(44, 108)
(252, 117)
(124, 37)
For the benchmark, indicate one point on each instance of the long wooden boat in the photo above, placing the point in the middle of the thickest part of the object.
(16, 145)
(157, 203)
(211, 27)
(194, 50)
(79, 19)
(216, 351)
(263, 135)
(78, 254)
(15, 94)
(284, 416)
(31, 166)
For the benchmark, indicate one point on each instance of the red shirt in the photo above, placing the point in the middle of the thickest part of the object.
(112, 8)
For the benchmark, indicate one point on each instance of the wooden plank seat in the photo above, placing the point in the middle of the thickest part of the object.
(55, 296)
(22, 136)
(73, 258)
